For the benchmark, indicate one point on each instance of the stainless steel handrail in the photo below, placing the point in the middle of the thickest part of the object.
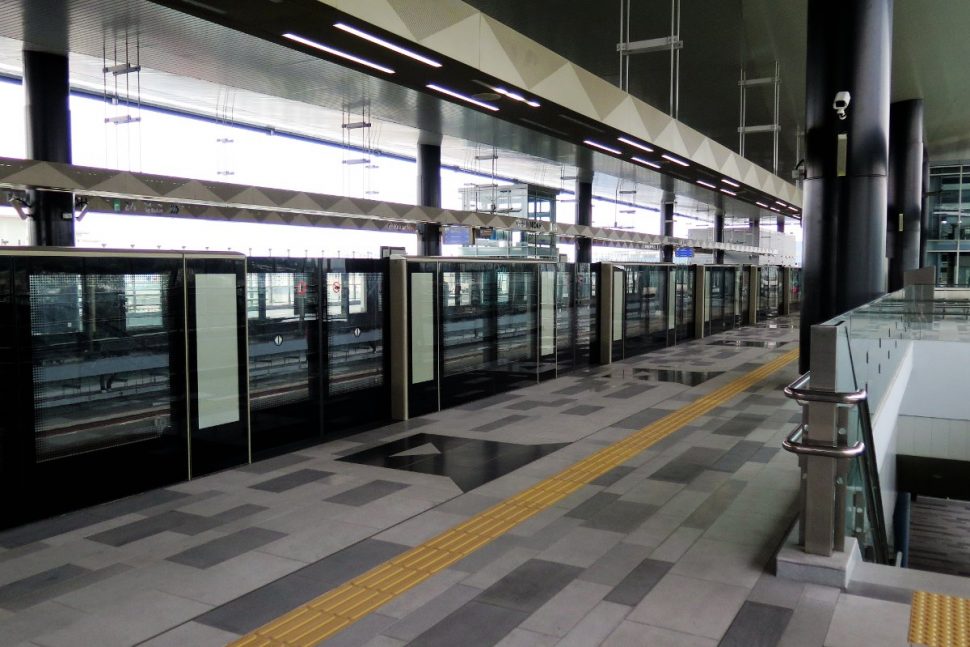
(870, 471)
(792, 444)
(797, 391)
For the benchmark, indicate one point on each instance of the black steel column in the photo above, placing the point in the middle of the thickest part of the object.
(584, 216)
(48, 126)
(844, 193)
(780, 223)
(905, 192)
(667, 219)
(429, 195)
(719, 236)
(924, 222)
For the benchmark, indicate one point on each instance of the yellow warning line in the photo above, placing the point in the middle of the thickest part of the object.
(939, 620)
(333, 611)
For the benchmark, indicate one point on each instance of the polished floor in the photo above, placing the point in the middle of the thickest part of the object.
(670, 547)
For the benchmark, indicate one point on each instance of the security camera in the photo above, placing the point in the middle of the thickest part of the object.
(842, 100)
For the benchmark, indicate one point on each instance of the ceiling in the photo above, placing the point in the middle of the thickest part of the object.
(199, 66)
(930, 45)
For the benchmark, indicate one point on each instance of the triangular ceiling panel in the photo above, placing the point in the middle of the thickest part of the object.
(565, 88)
(377, 12)
(494, 59)
(423, 21)
(605, 96)
(459, 41)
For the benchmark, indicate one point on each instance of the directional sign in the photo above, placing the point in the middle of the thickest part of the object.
(336, 287)
(278, 340)
(356, 332)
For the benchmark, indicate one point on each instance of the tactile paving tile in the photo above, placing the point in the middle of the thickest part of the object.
(939, 620)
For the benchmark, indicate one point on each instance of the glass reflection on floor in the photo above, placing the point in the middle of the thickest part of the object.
(468, 462)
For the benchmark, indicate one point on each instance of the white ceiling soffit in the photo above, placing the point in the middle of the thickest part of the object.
(456, 30)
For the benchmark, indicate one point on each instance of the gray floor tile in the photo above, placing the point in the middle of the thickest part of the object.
(530, 585)
(689, 605)
(633, 633)
(638, 582)
(238, 512)
(595, 625)
(194, 634)
(757, 625)
(12, 594)
(139, 503)
(765, 454)
(501, 422)
(629, 391)
(291, 480)
(473, 625)
(715, 505)
(364, 494)
(362, 631)
(678, 472)
(47, 528)
(865, 621)
(641, 419)
(737, 456)
(275, 463)
(225, 548)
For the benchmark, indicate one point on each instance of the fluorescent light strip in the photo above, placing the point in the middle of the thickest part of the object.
(590, 142)
(383, 43)
(675, 160)
(630, 142)
(647, 162)
(517, 97)
(707, 184)
(457, 95)
(337, 52)
(762, 204)
(728, 192)
(731, 182)
(780, 203)
(793, 208)
(775, 210)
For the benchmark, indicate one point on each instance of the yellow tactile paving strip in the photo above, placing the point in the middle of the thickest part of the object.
(939, 620)
(333, 611)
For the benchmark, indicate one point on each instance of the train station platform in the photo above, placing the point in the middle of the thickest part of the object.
(639, 503)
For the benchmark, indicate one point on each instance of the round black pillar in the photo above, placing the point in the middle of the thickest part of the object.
(780, 223)
(905, 194)
(584, 216)
(844, 193)
(924, 222)
(719, 236)
(667, 219)
(48, 125)
(429, 195)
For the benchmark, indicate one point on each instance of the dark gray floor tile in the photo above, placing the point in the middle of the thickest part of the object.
(173, 521)
(612, 476)
(528, 405)
(60, 585)
(621, 516)
(583, 410)
(530, 585)
(20, 551)
(575, 389)
(591, 506)
(737, 456)
(678, 472)
(705, 456)
(757, 625)
(291, 480)
(641, 580)
(484, 403)
(364, 494)
(765, 454)
(255, 609)
(473, 625)
(10, 593)
(225, 548)
(432, 612)
(275, 463)
(139, 502)
(642, 419)
(501, 422)
(47, 528)
(237, 513)
(714, 505)
(350, 562)
(629, 391)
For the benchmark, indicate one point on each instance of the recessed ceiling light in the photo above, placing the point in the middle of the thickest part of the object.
(337, 52)
(762, 204)
(731, 182)
(647, 162)
(728, 192)
(458, 95)
(590, 142)
(389, 45)
(675, 160)
(707, 184)
(630, 142)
